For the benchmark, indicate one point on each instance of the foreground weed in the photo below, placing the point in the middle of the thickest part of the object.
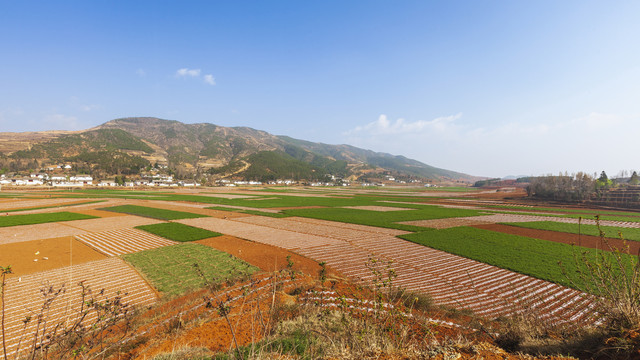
(4, 271)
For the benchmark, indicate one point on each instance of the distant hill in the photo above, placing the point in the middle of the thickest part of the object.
(128, 144)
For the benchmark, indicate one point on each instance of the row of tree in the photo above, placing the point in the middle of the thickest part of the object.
(575, 187)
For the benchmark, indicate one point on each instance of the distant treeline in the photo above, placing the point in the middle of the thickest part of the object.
(577, 187)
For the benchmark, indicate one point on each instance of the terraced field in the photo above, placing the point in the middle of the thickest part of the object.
(123, 241)
(450, 279)
(24, 297)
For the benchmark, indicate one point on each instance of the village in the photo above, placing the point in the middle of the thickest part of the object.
(63, 176)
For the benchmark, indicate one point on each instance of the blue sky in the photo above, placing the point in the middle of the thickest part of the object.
(489, 88)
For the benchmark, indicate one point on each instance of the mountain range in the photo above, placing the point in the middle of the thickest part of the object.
(127, 145)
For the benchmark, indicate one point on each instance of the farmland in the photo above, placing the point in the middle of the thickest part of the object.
(450, 245)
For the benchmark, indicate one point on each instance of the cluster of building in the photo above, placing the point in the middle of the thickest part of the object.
(61, 180)
(42, 179)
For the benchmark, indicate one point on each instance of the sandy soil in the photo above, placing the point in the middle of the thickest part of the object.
(22, 233)
(15, 204)
(110, 223)
(52, 254)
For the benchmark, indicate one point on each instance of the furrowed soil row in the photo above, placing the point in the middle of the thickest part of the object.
(124, 241)
(25, 297)
(450, 279)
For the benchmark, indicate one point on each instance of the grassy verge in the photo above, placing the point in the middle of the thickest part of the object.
(534, 257)
(30, 219)
(154, 213)
(178, 232)
(610, 231)
(171, 268)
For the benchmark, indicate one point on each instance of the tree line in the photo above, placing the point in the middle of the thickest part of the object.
(576, 187)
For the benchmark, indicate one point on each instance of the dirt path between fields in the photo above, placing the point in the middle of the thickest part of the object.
(593, 242)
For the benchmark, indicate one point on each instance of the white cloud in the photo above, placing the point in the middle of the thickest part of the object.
(385, 127)
(209, 79)
(141, 72)
(186, 72)
(590, 143)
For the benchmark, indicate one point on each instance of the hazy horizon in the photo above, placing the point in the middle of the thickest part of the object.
(488, 89)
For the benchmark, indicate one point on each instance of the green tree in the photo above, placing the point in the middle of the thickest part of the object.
(634, 180)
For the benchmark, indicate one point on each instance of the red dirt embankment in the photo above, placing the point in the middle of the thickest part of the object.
(266, 257)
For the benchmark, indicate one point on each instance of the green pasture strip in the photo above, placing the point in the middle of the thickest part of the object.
(11, 195)
(30, 219)
(534, 257)
(51, 206)
(586, 212)
(171, 269)
(609, 231)
(155, 213)
(178, 232)
(251, 212)
(385, 219)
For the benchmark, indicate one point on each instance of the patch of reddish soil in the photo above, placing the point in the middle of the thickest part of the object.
(52, 254)
(593, 242)
(266, 257)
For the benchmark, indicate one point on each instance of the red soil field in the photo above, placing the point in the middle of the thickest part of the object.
(266, 257)
(59, 252)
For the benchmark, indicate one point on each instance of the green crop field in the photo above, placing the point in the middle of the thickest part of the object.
(251, 212)
(534, 257)
(178, 232)
(386, 219)
(171, 269)
(30, 219)
(155, 213)
(609, 231)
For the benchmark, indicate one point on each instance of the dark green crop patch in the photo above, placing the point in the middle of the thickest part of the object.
(178, 232)
(155, 213)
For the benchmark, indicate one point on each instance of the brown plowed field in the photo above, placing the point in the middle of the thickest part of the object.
(593, 242)
(52, 254)
(266, 257)
(15, 204)
(22, 233)
(110, 223)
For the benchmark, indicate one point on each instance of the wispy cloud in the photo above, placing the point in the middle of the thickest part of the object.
(195, 73)
(141, 72)
(383, 126)
(209, 79)
(590, 143)
(186, 72)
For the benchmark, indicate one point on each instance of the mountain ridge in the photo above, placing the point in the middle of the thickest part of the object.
(212, 150)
